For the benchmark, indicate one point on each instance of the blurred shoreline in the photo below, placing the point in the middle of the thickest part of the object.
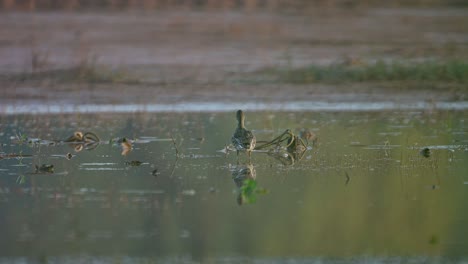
(175, 55)
(217, 107)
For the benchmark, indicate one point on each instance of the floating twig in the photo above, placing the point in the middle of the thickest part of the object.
(175, 146)
(277, 141)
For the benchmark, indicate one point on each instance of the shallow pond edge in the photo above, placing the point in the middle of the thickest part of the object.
(183, 107)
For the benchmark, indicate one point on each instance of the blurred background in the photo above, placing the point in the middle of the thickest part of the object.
(160, 51)
(382, 186)
(249, 5)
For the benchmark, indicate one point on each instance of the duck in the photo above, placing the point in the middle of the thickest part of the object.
(308, 136)
(243, 139)
(76, 137)
(90, 137)
(126, 146)
(79, 137)
(295, 145)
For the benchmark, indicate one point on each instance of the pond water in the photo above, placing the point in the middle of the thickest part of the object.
(384, 186)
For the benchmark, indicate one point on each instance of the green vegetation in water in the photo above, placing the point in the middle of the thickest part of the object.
(434, 240)
(432, 71)
(83, 73)
(21, 138)
(249, 191)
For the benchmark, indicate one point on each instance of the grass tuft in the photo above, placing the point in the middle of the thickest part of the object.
(433, 71)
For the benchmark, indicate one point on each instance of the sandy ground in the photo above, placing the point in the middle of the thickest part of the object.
(207, 56)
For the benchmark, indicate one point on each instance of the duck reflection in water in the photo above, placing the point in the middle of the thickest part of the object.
(243, 174)
(244, 177)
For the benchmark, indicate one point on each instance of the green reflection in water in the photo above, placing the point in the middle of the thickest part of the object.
(364, 189)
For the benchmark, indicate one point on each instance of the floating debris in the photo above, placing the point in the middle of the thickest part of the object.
(425, 152)
(175, 147)
(190, 192)
(68, 156)
(447, 147)
(13, 156)
(133, 163)
(45, 168)
(433, 187)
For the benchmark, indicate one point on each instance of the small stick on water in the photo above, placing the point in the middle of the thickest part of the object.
(347, 178)
(175, 146)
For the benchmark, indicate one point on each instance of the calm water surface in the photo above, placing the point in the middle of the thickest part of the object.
(363, 191)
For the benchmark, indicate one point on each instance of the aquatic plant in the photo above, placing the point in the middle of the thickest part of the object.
(249, 191)
(21, 138)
